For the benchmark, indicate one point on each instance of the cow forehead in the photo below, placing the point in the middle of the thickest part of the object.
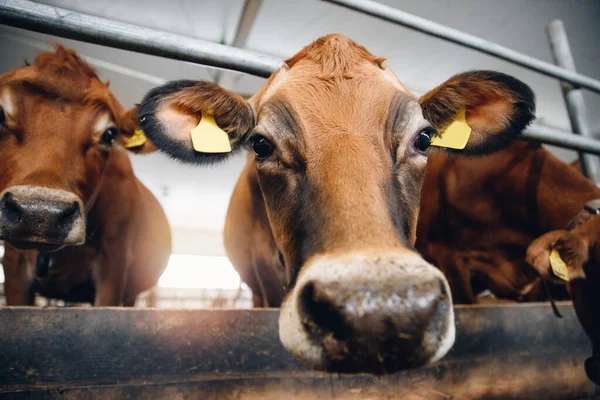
(335, 76)
(41, 111)
(48, 87)
(359, 101)
(311, 75)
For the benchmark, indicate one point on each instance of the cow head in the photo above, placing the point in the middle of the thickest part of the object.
(340, 148)
(579, 249)
(58, 128)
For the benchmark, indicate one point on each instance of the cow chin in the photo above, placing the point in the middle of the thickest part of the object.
(40, 218)
(368, 313)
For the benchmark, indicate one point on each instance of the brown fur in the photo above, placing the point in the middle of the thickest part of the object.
(64, 75)
(50, 142)
(334, 55)
(496, 205)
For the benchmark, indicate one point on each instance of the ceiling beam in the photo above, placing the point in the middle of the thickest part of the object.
(226, 79)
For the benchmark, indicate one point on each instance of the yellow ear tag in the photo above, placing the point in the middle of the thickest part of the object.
(207, 137)
(456, 135)
(559, 268)
(136, 140)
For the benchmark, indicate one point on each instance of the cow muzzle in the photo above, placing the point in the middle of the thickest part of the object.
(370, 314)
(41, 218)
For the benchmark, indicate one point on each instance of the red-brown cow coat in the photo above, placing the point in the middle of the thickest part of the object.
(55, 115)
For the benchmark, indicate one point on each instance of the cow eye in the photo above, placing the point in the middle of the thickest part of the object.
(423, 141)
(262, 147)
(2, 117)
(108, 136)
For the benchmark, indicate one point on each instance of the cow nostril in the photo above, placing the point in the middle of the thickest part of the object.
(319, 311)
(11, 210)
(592, 368)
(438, 309)
(68, 216)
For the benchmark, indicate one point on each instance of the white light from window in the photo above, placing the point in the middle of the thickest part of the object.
(202, 272)
(191, 271)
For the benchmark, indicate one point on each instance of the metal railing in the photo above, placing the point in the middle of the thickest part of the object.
(561, 51)
(74, 25)
(87, 28)
(464, 39)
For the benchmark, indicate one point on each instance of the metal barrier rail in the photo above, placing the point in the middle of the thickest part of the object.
(561, 51)
(557, 137)
(74, 25)
(464, 39)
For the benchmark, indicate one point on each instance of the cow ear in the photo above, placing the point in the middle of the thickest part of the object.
(131, 135)
(169, 113)
(492, 107)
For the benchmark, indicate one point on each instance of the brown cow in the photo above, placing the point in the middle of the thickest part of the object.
(491, 217)
(480, 214)
(340, 150)
(77, 224)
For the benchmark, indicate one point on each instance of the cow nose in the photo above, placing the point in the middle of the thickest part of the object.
(365, 313)
(59, 215)
(377, 326)
(36, 215)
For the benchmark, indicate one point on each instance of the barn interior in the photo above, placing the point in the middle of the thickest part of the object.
(240, 352)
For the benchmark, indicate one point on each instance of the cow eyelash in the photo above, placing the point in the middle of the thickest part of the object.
(431, 131)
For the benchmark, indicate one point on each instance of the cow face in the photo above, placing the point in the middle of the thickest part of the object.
(340, 148)
(58, 127)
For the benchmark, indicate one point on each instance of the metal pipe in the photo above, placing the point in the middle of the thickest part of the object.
(561, 138)
(473, 42)
(561, 51)
(73, 25)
